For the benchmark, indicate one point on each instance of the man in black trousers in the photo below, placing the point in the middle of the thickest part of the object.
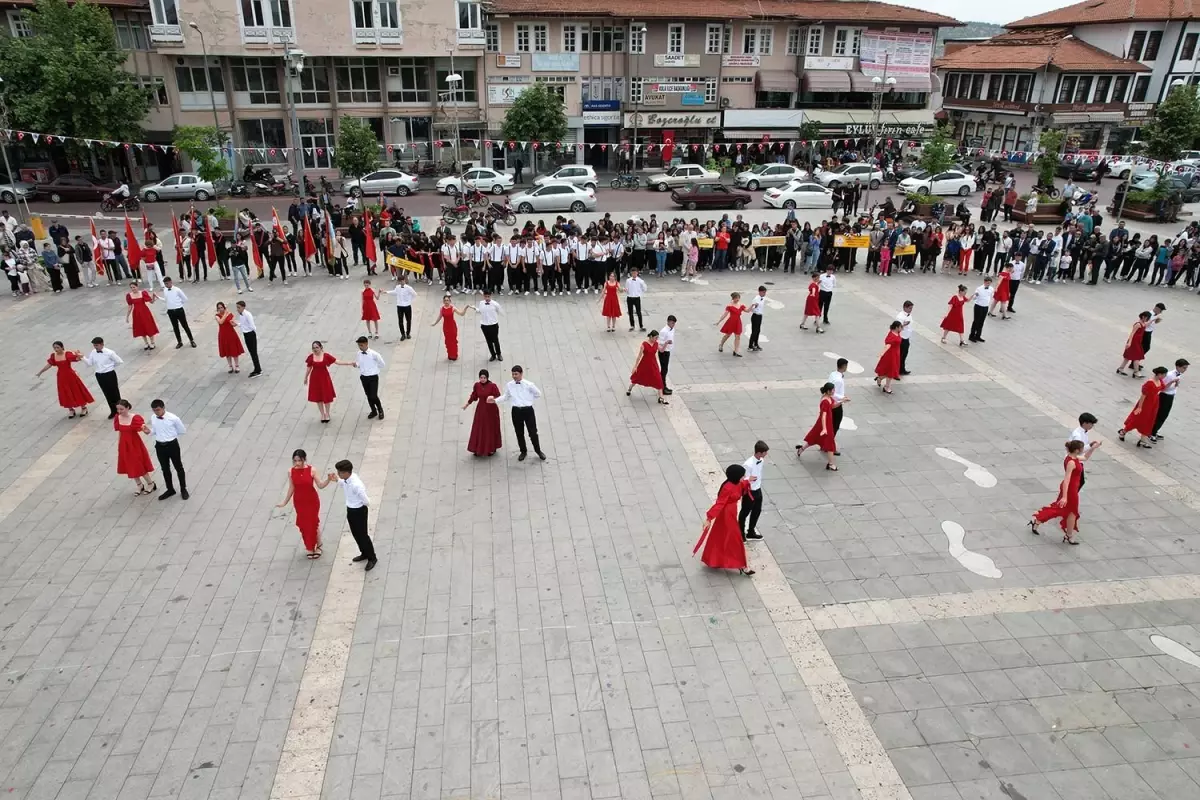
(752, 503)
(522, 393)
(905, 320)
(982, 299)
(167, 428)
(105, 363)
(666, 343)
(250, 334)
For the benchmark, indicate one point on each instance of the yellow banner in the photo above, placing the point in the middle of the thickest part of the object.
(907, 250)
(704, 244)
(396, 262)
(771, 241)
(852, 241)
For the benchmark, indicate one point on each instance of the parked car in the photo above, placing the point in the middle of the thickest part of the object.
(709, 195)
(1084, 169)
(481, 178)
(680, 175)
(1185, 183)
(913, 170)
(9, 192)
(850, 173)
(764, 175)
(799, 194)
(181, 186)
(388, 181)
(555, 197)
(949, 182)
(574, 174)
(75, 187)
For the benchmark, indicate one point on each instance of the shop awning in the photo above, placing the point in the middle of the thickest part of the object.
(826, 80)
(1068, 118)
(777, 80)
(904, 83)
(760, 133)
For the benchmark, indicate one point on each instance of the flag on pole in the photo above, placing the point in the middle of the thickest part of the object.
(330, 235)
(178, 238)
(279, 229)
(211, 246)
(370, 248)
(97, 253)
(193, 251)
(310, 244)
(256, 254)
(132, 246)
(145, 223)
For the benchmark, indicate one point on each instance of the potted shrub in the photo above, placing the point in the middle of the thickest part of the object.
(924, 203)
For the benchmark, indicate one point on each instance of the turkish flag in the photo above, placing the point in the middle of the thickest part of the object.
(310, 244)
(178, 238)
(131, 245)
(256, 254)
(210, 246)
(97, 253)
(370, 232)
(279, 230)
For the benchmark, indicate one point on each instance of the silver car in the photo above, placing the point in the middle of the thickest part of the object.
(182, 186)
(481, 178)
(574, 174)
(555, 197)
(387, 181)
(763, 175)
(681, 175)
(9, 192)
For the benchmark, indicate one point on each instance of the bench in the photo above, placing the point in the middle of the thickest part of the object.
(1043, 216)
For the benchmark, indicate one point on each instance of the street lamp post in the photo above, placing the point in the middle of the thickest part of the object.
(453, 80)
(294, 65)
(641, 32)
(212, 98)
(879, 87)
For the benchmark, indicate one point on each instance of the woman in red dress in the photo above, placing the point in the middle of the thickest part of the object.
(611, 306)
(953, 321)
(812, 304)
(144, 326)
(1002, 294)
(732, 317)
(133, 460)
(449, 325)
(72, 393)
(721, 538)
(887, 369)
(485, 428)
(370, 311)
(302, 491)
(1145, 411)
(316, 378)
(229, 344)
(1066, 505)
(1134, 350)
(821, 434)
(646, 371)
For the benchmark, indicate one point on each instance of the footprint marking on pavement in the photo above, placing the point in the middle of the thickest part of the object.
(975, 473)
(1176, 650)
(773, 303)
(976, 562)
(853, 367)
(700, 281)
(848, 424)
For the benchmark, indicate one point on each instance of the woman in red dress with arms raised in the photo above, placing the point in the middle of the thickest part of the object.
(370, 311)
(732, 317)
(144, 326)
(1066, 505)
(302, 492)
(229, 344)
(887, 369)
(316, 378)
(611, 306)
(646, 371)
(485, 427)
(133, 460)
(722, 536)
(1145, 411)
(821, 435)
(953, 321)
(1134, 351)
(812, 304)
(72, 393)
(449, 325)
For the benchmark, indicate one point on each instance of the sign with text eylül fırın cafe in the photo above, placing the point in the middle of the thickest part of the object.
(897, 131)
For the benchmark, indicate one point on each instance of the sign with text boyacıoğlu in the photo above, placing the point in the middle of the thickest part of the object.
(670, 119)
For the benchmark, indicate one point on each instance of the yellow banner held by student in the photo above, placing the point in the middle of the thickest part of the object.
(771, 241)
(396, 262)
(852, 241)
(907, 250)
(704, 244)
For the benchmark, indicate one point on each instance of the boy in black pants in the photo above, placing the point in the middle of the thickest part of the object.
(357, 503)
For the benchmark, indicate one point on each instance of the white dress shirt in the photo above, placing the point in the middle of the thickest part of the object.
(489, 312)
(369, 362)
(983, 296)
(905, 319)
(404, 295)
(1080, 435)
(166, 428)
(758, 305)
(246, 322)
(1172, 381)
(839, 385)
(355, 491)
(450, 254)
(754, 471)
(522, 394)
(666, 339)
(102, 360)
(1152, 324)
(1017, 270)
(827, 281)
(175, 298)
(635, 287)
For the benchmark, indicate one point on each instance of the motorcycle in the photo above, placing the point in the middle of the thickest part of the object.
(1050, 191)
(1084, 199)
(474, 198)
(626, 180)
(502, 213)
(455, 213)
(240, 189)
(251, 176)
(110, 203)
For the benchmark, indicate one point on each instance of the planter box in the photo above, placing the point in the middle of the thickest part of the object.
(1039, 217)
(1143, 211)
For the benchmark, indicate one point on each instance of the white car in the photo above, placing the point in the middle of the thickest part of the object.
(555, 197)
(850, 173)
(681, 175)
(387, 181)
(575, 174)
(799, 194)
(949, 182)
(1121, 167)
(764, 175)
(481, 178)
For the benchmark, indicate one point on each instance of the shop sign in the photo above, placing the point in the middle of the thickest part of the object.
(508, 62)
(673, 88)
(851, 241)
(740, 60)
(601, 105)
(829, 62)
(555, 62)
(692, 99)
(676, 60)
(654, 99)
(510, 79)
(601, 117)
(505, 95)
(896, 131)
(684, 119)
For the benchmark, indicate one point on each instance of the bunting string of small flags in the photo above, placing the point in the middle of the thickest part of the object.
(53, 138)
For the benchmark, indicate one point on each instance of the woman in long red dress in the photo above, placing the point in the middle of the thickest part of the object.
(646, 371)
(1066, 506)
(449, 325)
(1145, 411)
(302, 492)
(316, 378)
(887, 369)
(370, 311)
(611, 306)
(721, 538)
(1134, 347)
(1002, 294)
(485, 427)
(229, 344)
(812, 304)
(144, 325)
(133, 460)
(732, 317)
(72, 393)
(821, 434)
(953, 321)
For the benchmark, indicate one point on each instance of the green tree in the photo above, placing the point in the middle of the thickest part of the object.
(67, 78)
(357, 149)
(1049, 144)
(938, 153)
(536, 115)
(204, 145)
(1175, 125)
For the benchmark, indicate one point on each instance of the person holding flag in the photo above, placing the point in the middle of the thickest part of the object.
(369, 244)
(134, 251)
(178, 242)
(310, 247)
(97, 252)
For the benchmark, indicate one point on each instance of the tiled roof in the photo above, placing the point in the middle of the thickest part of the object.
(134, 4)
(828, 10)
(1032, 50)
(1100, 11)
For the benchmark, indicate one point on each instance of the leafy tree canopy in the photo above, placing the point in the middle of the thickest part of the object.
(1175, 126)
(536, 115)
(1050, 143)
(938, 153)
(357, 150)
(203, 145)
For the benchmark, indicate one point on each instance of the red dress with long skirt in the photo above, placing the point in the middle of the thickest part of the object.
(722, 537)
(72, 393)
(320, 385)
(612, 306)
(1004, 289)
(133, 460)
(1134, 351)
(143, 318)
(1071, 506)
(449, 332)
(812, 303)
(1143, 421)
(485, 428)
(370, 311)
(229, 344)
(889, 362)
(307, 504)
(648, 372)
(953, 321)
(734, 323)
(825, 440)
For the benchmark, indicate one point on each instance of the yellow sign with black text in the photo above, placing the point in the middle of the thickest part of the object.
(852, 241)
(907, 250)
(396, 262)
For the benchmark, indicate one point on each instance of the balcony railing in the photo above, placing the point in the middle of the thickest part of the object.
(387, 37)
(261, 34)
(166, 33)
(472, 37)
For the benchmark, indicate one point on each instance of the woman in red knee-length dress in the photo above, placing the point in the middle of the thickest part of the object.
(887, 369)
(611, 306)
(72, 393)
(732, 317)
(1002, 295)
(1066, 505)
(370, 310)
(449, 326)
(812, 304)
(485, 427)
(646, 371)
(144, 325)
(302, 492)
(316, 378)
(133, 460)
(1134, 351)
(229, 344)
(722, 536)
(953, 321)
(821, 434)
(1145, 411)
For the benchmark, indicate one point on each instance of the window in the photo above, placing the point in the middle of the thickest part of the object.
(253, 14)
(1066, 89)
(492, 32)
(1136, 44)
(313, 83)
(281, 13)
(606, 39)
(570, 42)
(674, 38)
(710, 90)
(259, 78)
(357, 80)
(191, 78)
(950, 87)
(637, 39)
(414, 129)
(158, 90)
(1024, 84)
(846, 41)
(364, 13)
(1152, 44)
(131, 35)
(1103, 84)
(1010, 85)
(468, 15)
(376, 126)
(1120, 89)
(389, 14)
(714, 36)
(793, 42)
(414, 82)
(1188, 51)
(816, 41)
(262, 133)
(1083, 90)
(994, 87)
(164, 12)
(602, 89)
(522, 38)
(465, 91)
(18, 24)
(635, 90)
(757, 41)
(976, 87)
(316, 137)
(541, 38)
(1140, 89)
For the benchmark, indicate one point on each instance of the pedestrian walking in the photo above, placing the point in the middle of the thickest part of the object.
(166, 429)
(176, 300)
(522, 394)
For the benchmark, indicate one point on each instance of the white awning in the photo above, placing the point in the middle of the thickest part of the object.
(753, 133)
(826, 80)
(777, 80)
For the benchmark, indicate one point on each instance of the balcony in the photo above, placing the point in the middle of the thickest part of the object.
(385, 37)
(264, 35)
(166, 34)
(471, 37)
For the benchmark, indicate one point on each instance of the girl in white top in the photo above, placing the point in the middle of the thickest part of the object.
(450, 262)
(967, 243)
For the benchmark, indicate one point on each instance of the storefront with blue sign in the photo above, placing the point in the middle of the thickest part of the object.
(601, 126)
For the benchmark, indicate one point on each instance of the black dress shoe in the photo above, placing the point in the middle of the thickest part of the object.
(381, 415)
(358, 558)
(905, 372)
(522, 456)
(541, 455)
(491, 358)
(179, 346)
(372, 415)
(193, 344)
(110, 416)
(166, 494)
(371, 564)
(753, 536)
(183, 493)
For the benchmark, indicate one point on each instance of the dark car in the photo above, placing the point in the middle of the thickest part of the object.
(75, 188)
(709, 195)
(1183, 182)
(1079, 169)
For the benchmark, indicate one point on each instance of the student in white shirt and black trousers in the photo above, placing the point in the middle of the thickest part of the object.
(105, 363)
(905, 320)
(250, 334)
(757, 307)
(522, 393)
(489, 322)
(635, 287)
(357, 505)
(175, 301)
(369, 364)
(983, 299)
(167, 428)
(752, 503)
(666, 344)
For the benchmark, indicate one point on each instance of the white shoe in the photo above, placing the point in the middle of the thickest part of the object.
(239, 291)
(539, 294)
(527, 293)
(577, 291)
(249, 288)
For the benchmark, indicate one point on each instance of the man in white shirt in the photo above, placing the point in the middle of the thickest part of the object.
(757, 307)
(250, 334)
(522, 393)
(752, 504)
(838, 379)
(404, 295)
(1166, 398)
(108, 256)
(635, 288)
(489, 322)
(1148, 331)
(105, 362)
(1016, 271)
(827, 283)
(905, 320)
(357, 506)
(167, 428)
(1087, 421)
(982, 299)
(369, 364)
(666, 344)
(175, 301)
(450, 262)
(495, 268)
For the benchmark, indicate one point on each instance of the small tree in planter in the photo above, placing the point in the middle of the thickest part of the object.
(1046, 164)
(205, 146)
(357, 149)
(938, 153)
